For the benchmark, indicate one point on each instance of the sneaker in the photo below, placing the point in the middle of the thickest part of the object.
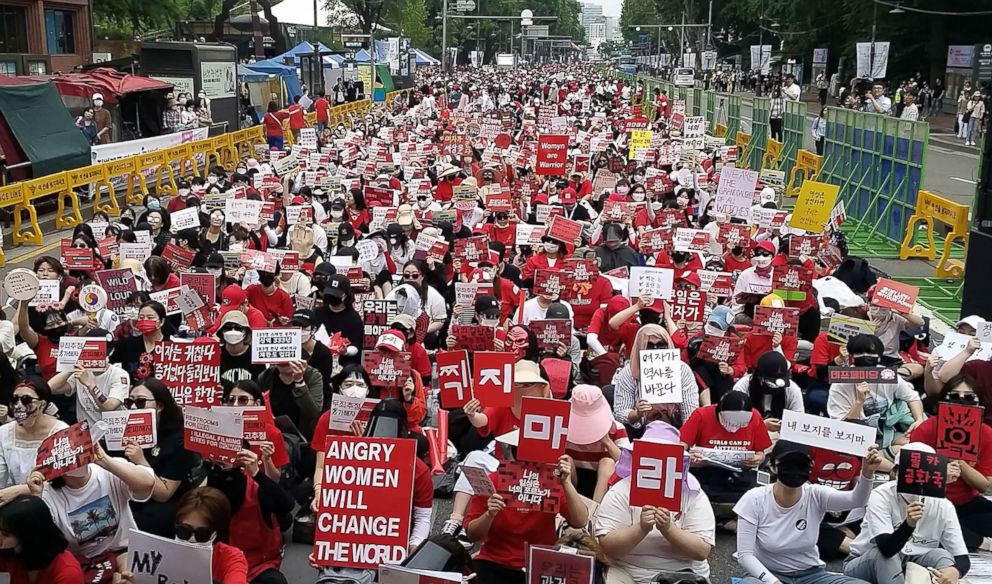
(463, 539)
(452, 528)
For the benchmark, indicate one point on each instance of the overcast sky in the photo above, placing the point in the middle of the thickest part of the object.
(610, 7)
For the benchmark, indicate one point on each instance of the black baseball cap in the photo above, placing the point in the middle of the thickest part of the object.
(303, 318)
(214, 261)
(785, 448)
(487, 306)
(337, 286)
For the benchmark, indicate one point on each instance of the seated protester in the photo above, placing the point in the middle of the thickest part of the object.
(895, 408)
(594, 441)
(235, 350)
(96, 391)
(213, 237)
(606, 337)
(322, 272)
(614, 253)
(338, 315)
(105, 486)
(826, 354)
(901, 528)
(505, 533)
(771, 389)
(136, 354)
(778, 524)
(419, 359)
(294, 282)
(412, 393)
(966, 493)
(42, 338)
(351, 381)
(943, 370)
(203, 516)
(272, 452)
(573, 210)
(234, 299)
(537, 308)
(33, 549)
(756, 345)
(501, 229)
(888, 325)
(160, 274)
(756, 281)
(295, 390)
(430, 300)
(629, 406)
(647, 543)
(589, 297)
(20, 440)
(571, 350)
(169, 459)
(273, 302)
(528, 381)
(736, 260)
(321, 357)
(504, 289)
(258, 507)
(728, 434)
(550, 257)
(718, 377)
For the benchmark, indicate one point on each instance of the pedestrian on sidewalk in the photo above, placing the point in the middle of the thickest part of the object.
(821, 86)
(819, 129)
(975, 112)
(961, 111)
(776, 113)
(937, 102)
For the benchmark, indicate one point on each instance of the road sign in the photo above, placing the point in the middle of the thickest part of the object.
(465, 5)
(537, 31)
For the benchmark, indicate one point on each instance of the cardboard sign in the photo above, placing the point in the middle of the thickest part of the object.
(723, 349)
(217, 434)
(565, 230)
(842, 328)
(550, 283)
(547, 565)
(826, 433)
(879, 375)
(894, 295)
(922, 474)
(657, 471)
(474, 337)
(191, 371)
(345, 410)
(689, 306)
(529, 486)
(959, 431)
(89, 353)
(816, 201)
(204, 285)
(661, 376)
(276, 345)
(551, 333)
(768, 320)
(543, 429)
(735, 192)
(691, 240)
(716, 283)
(65, 450)
(387, 369)
(792, 283)
(552, 151)
(454, 378)
(125, 426)
(365, 502)
(492, 378)
(376, 314)
(653, 282)
(77, 259)
(472, 249)
(156, 560)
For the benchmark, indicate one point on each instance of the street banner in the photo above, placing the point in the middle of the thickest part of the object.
(124, 426)
(191, 371)
(365, 502)
(547, 565)
(543, 429)
(552, 151)
(769, 320)
(217, 434)
(723, 349)
(897, 296)
(816, 201)
(657, 471)
(959, 431)
(474, 337)
(872, 64)
(922, 474)
(454, 378)
(156, 560)
(65, 450)
(492, 379)
(529, 486)
(841, 328)
(387, 369)
(661, 376)
(827, 433)
(653, 282)
(551, 333)
(877, 375)
(271, 346)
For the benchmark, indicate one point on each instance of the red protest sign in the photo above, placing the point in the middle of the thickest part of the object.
(723, 349)
(365, 502)
(191, 371)
(474, 337)
(529, 486)
(655, 241)
(543, 428)
(898, 296)
(216, 434)
(550, 282)
(733, 235)
(252, 259)
(179, 258)
(768, 320)
(205, 286)
(77, 258)
(716, 283)
(65, 450)
(656, 474)
(689, 305)
(552, 153)
(492, 378)
(454, 378)
(565, 230)
(581, 270)
(387, 369)
(547, 565)
(559, 372)
(959, 431)
(140, 429)
(616, 211)
(109, 247)
(472, 249)
(803, 246)
(378, 197)
(672, 218)
(551, 333)
(93, 355)
(499, 202)
(792, 283)
(119, 285)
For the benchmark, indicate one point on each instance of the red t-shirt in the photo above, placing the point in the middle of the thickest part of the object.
(323, 108)
(273, 123)
(585, 305)
(323, 431)
(229, 565)
(501, 421)
(703, 429)
(731, 264)
(64, 569)
(419, 360)
(296, 120)
(47, 354)
(271, 306)
(959, 492)
(612, 339)
(756, 345)
(824, 353)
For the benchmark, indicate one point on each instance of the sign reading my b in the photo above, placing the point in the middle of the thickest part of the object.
(543, 429)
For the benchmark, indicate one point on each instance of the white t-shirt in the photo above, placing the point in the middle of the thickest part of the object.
(95, 518)
(749, 282)
(533, 311)
(793, 395)
(298, 284)
(114, 383)
(436, 308)
(654, 553)
(938, 528)
(18, 457)
(792, 92)
(879, 399)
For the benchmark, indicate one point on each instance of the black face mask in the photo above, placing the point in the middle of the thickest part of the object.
(866, 361)
(57, 332)
(266, 279)
(737, 251)
(680, 257)
(793, 473)
(333, 300)
(129, 221)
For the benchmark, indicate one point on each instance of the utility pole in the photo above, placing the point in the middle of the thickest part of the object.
(444, 35)
(871, 50)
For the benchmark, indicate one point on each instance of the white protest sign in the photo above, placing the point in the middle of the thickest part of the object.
(984, 332)
(135, 251)
(246, 211)
(21, 284)
(694, 126)
(276, 345)
(126, 425)
(48, 292)
(955, 342)
(735, 193)
(344, 410)
(661, 376)
(188, 218)
(70, 348)
(826, 433)
(653, 282)
(368, 250)
(154, 560)
(188, 301)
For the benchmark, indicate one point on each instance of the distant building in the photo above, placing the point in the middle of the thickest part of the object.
(596, 33)
(591, 13)
(60, 30)
(613, 29)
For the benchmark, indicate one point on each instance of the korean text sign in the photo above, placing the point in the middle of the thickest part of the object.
(276, 345)
(921, 473)
(191, 371)
(492, 378)
(547, 565)
(835, 435)
(543, 429)
(365, 503)
(816, 201)
(657, 471)
(661, 376)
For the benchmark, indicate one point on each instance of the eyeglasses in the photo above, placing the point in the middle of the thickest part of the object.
(240, 400)
(137, 402)
(199, 534)
(24, 400)
(411, 275)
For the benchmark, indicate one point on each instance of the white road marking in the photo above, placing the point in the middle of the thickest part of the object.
(964, 180)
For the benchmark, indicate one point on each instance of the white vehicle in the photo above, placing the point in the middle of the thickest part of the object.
(684, 77)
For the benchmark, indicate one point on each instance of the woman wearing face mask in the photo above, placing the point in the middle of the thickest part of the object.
(756, 345)
(731, 433)
(778, 524)
(19, 441)
(32, 549)
(352, 381)
(213, 236)
(136, 354)
(401, 247)
(629, 407)
(234, 334)
(501, 229)
(203, 517)
(159, 224)
(169, 460)
(756, 280)
(272, 451)
(96, 496)
(771, 389)
(273, 302)
(49, 268)
(338, 315)
(415, 274)
(549, 258)
(888, 324)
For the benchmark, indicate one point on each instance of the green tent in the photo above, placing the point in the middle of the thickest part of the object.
(43, 128)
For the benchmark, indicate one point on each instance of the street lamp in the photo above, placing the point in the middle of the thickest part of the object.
(897, 10)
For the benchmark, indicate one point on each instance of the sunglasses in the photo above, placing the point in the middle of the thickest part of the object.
(24, 400)
(137, 402)
(762, 254)
(411, 275)
(199, 534)
(240, 400)
(962, 397)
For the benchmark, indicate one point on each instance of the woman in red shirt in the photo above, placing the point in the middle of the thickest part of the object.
(272, 120)
(203, 516)
(32, 548)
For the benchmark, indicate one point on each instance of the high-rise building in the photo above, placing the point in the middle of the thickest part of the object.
(591, 13)
(596, 33)
(613, 29)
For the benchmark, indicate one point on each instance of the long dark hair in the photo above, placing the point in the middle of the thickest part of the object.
(353, 369)
(757, 391)
(28, 518)
(171, 416)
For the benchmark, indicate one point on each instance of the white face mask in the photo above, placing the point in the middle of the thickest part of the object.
(551, 248)
(218, 272)
(488, 274)
(735, 420)
(622, 190)
(183, 192)
(79, 473)
(656, 205)
(337, 214)
(761, 262)
(233, 337)
(212, 179)
(359, 391)
(638, 196)
(713, 330)
(424, 203)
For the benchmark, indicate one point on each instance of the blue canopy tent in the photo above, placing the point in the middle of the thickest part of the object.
(425, 59)
(302, 48)
(246, 75)
(288, 74)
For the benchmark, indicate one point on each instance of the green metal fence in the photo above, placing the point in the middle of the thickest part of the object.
(733, 105)
(879, 163)
(697, 101)
(760, 111)
(793, 134)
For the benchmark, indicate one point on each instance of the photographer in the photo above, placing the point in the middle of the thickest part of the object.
(876, 102)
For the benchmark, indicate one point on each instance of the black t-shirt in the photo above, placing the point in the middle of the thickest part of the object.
(348, 323)
(130, 354)
(323, 361)
(236, 368)
(171, 461)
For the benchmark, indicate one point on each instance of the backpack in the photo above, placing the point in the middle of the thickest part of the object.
(857, 274)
